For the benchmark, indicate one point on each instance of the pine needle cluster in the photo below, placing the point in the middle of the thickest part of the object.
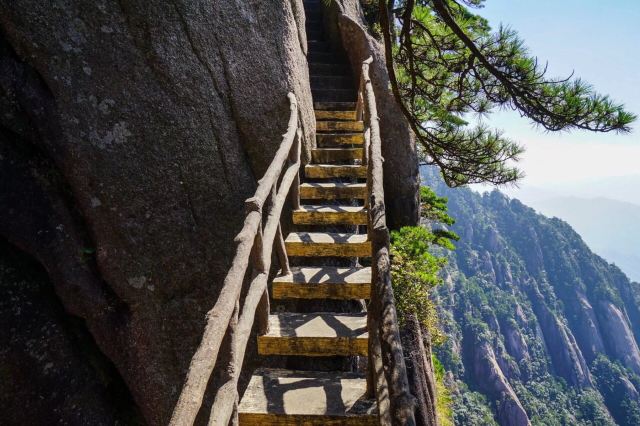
(446, 63)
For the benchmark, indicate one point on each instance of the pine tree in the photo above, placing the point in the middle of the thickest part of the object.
(446, 62)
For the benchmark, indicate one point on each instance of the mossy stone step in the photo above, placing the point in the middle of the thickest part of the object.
(333, 139)
(335, 115)
(334, 95)
(315, 33)
(323, 244)
(334, 106)
(323, 282)
(330, 215)
(328, 69)
(329, 81)
(339, 126)
(333, 191)
(323, 57)
(315, 334)
(330, 171)
(310, 398)
(332, 155)
(318, 45)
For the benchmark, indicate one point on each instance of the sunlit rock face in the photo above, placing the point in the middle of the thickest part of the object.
(131, 134)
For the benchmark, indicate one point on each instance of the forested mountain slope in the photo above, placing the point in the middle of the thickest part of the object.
(610, 227)
(540, 329)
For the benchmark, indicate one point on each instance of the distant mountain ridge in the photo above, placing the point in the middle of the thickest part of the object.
(618, 188)
(541, 330)
(611, 228)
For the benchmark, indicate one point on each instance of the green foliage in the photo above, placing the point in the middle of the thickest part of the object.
(371, 16)
(414, 272)
(471, 408)
(414, 268)
(616, 384)
(446, 63)
(434, 208)
(434, 212)
(444, 400)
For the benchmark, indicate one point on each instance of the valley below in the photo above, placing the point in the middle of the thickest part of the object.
(541, 330)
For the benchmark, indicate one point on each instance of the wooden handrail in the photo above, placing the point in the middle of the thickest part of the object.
(254, 244)
(387, 376)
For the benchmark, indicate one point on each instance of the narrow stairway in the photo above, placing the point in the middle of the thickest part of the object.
(335, 188)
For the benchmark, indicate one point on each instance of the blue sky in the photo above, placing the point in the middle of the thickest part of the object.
(600, 41)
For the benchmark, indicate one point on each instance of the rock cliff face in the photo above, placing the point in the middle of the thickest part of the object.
(492, 380)
(53, 372)
(130, 135)
(541, 329)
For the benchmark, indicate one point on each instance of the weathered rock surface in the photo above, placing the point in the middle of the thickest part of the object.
(515, 343)
(586, 327)
(420, 371)
(491, 379)
(52, 371)
(618, 337)
(131, 133)
(565, 354)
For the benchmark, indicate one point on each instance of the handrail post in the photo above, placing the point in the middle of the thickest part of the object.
(219, 412)
(360, 101)
(263, 309)
(281, 250)
(294, 157)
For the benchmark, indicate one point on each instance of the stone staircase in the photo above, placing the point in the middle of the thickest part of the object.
(335, 190)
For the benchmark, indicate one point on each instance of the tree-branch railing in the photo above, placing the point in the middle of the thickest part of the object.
(387, 379)
(387, 373)
(254, 244)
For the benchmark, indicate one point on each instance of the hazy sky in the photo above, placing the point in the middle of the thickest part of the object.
(600, 41)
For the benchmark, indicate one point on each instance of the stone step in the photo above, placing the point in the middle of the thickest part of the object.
(319, 82)
(333, 155)
(330, 171)
(330, 215)
(335, 115)
(328, 69)
(313, 11)
(328, 57)
(324, 282)
(312, 5)
(340, 126)
(332, 139)
(334, 95)
(319, 46)
(323, 244)
(286, 397)
(315, 334)
(315, 34)
(333, 191)
(334, 106)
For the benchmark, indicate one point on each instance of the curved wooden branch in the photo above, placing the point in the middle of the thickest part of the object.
(382, 304)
